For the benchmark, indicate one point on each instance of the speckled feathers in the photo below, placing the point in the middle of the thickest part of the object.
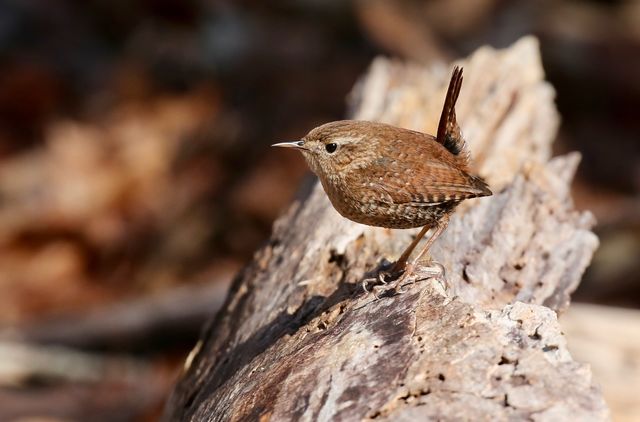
(386, 176)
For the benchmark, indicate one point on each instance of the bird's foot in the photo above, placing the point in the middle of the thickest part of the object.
(434, 270)
(411, 274)
(381, 279)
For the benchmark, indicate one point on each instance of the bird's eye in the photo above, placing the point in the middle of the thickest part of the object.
(331, 148)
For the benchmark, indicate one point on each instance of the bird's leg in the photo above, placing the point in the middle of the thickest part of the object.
(436, 269)
(440, 227)
(402, 261)
(409, 268)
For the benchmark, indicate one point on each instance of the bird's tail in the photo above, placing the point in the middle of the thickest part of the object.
(449, 134)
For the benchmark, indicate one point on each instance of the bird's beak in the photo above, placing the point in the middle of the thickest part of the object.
(291, 144)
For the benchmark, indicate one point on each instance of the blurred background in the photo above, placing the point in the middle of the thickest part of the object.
(136, 178)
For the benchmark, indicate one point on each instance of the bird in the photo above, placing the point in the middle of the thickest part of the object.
(386, 176)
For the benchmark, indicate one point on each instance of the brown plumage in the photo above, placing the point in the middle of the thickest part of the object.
(385, 176)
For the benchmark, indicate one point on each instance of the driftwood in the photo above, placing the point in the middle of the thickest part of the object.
(299, 340)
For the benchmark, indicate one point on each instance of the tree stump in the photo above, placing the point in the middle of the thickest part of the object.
(299, 340)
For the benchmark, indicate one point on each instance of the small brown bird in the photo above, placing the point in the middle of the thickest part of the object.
(385, 176)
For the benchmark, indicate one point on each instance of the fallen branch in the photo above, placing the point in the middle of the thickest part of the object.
(298, 340)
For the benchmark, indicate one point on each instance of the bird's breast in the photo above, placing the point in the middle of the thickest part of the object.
(363, 204)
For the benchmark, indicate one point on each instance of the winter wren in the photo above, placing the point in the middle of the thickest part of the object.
(385, 176)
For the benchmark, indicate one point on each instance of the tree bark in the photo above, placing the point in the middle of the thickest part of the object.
(299, 340)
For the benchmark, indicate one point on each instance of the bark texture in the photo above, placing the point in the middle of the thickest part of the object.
(298, 339)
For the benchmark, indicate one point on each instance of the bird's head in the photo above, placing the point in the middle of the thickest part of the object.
(333, 148)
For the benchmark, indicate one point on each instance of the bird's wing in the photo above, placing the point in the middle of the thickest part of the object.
(420, 183)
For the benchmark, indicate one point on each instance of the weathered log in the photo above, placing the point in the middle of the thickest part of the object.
(299, 340)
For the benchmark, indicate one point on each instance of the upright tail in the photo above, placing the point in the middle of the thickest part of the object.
(450, 137)
(448, 130)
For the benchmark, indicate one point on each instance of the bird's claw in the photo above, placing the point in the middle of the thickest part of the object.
(433, 270)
